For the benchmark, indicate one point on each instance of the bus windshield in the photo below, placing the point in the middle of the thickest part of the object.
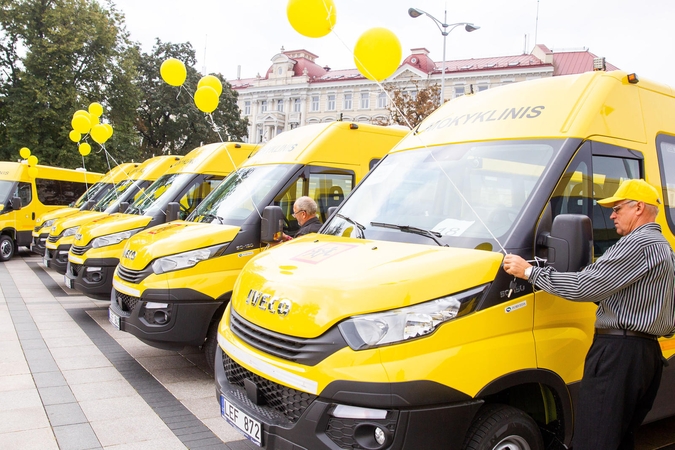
(233, 201)
(463, 195)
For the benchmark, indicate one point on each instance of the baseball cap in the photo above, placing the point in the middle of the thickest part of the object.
(638, 190)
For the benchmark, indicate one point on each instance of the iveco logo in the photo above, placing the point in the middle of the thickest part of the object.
(129, 254)
(266, 302)
(78, 236)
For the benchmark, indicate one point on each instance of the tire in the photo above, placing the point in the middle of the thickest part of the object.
(502, 427)
(211, 345)
(6, 248)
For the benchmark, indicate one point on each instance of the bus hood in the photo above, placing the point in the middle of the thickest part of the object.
(373, 276)
(56, 214)
(172, 238)
(115, 223)
(75, 220)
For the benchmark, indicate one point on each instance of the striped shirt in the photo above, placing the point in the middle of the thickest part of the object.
(633, 283)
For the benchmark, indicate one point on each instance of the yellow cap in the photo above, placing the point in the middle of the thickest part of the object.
(638, 190)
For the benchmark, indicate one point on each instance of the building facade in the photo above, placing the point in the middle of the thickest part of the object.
(296, 91)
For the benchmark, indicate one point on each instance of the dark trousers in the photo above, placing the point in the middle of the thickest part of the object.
(621, 378)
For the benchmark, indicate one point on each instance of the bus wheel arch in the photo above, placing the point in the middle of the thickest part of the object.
(7, 247)
(210, 345)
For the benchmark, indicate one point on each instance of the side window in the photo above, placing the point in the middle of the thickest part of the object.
(286, 199)
(56, 192)
(194, 196)
(666, 151)
(25, 193)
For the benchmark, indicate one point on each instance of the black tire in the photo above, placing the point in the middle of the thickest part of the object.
(211, 345)
(6, 248)
(502, 427)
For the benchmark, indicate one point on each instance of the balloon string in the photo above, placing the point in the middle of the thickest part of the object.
(424, 144)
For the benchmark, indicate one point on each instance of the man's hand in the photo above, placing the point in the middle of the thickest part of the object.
(515, 265)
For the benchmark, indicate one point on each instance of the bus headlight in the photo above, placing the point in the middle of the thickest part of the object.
(112, 239)
(187, 259)
(389, 327)
(70, 231)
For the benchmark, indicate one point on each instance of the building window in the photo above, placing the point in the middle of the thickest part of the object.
(482, 87)
(315, 102)
(296, 105)
(347, 104)
(280, 105)
(331, 102)
(365, 100)
(263, 106)
(280, 71)
(459, 91)
(247, 107)
(382, 100)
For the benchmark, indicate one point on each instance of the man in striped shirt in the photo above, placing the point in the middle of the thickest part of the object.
(633, 286)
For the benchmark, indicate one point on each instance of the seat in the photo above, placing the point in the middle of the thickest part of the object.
(333, 197)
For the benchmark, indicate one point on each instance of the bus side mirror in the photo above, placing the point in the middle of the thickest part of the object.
(570, 243)
(15, 203)
(172, 211)
(272, 224)
(88, 205)
(123, 206)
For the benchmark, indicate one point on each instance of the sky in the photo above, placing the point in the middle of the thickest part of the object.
(228, 34)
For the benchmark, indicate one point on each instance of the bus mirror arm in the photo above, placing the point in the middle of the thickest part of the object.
(15, 203)
(172, 211)
(123, 206)
(272, 224)
(570, 242)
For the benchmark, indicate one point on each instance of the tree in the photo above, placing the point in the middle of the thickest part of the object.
(410, 105)
(167, 118)
(58, 56)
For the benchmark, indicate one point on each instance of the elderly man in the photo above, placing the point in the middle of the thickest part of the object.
(304, 211)
(633, 285)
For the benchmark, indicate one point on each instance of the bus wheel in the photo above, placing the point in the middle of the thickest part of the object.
(502, 427)
(211, 345)
(6, 248)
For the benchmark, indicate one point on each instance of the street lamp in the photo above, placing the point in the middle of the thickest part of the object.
(443, 28)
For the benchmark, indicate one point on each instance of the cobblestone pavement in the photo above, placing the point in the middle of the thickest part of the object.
(70, 381)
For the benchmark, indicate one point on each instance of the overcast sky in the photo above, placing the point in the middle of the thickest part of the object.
(634, 36)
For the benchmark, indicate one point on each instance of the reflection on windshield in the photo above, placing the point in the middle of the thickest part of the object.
(464, 194)
(234, 199)
(168, 185)
(113, 195)
(6, 190)
(90, 193)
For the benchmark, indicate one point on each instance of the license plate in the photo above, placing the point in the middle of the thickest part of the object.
(247, 425)
(68, 282)
(114, 319)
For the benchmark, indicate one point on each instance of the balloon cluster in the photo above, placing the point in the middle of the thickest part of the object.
(377, 52)
(32, 161)
(209, 88)
(89, 121)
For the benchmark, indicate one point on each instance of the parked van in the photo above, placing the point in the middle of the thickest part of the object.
(173, 281)
(98, 246)
(62, 232)
(86, 201)
(23, 198)
(397, 328)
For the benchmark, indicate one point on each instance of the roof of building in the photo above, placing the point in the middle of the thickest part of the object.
(564, 62)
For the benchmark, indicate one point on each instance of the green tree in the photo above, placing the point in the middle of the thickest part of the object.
(58, 56)
(411, 104)
(167, 118)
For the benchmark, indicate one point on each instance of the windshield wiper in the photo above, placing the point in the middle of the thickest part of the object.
(356, 224)
(408, 229)
(213, 216)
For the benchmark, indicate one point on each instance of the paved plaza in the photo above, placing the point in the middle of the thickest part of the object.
(69, 380)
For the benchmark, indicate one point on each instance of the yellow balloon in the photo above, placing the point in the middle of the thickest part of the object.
(99, 133)
(311, 18)
(214, 82)
(173, 72)
(109, 129)
(95, 109)
(82, 112)
(81, 124)
(377, 53)
(33, 172)
(24, 152)
(74, 136)
(206, 99)
(32, 160)
(84, 149)
(94, 121)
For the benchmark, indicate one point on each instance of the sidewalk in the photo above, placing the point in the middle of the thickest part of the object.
(68, 380)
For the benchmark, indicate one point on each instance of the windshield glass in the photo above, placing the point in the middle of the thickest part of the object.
(6, 191)
(121, 192)
(462, 195)
(91, 193)
(169, 185)
(233, 200)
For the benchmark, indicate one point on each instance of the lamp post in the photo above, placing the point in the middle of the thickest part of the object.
(443, 28)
